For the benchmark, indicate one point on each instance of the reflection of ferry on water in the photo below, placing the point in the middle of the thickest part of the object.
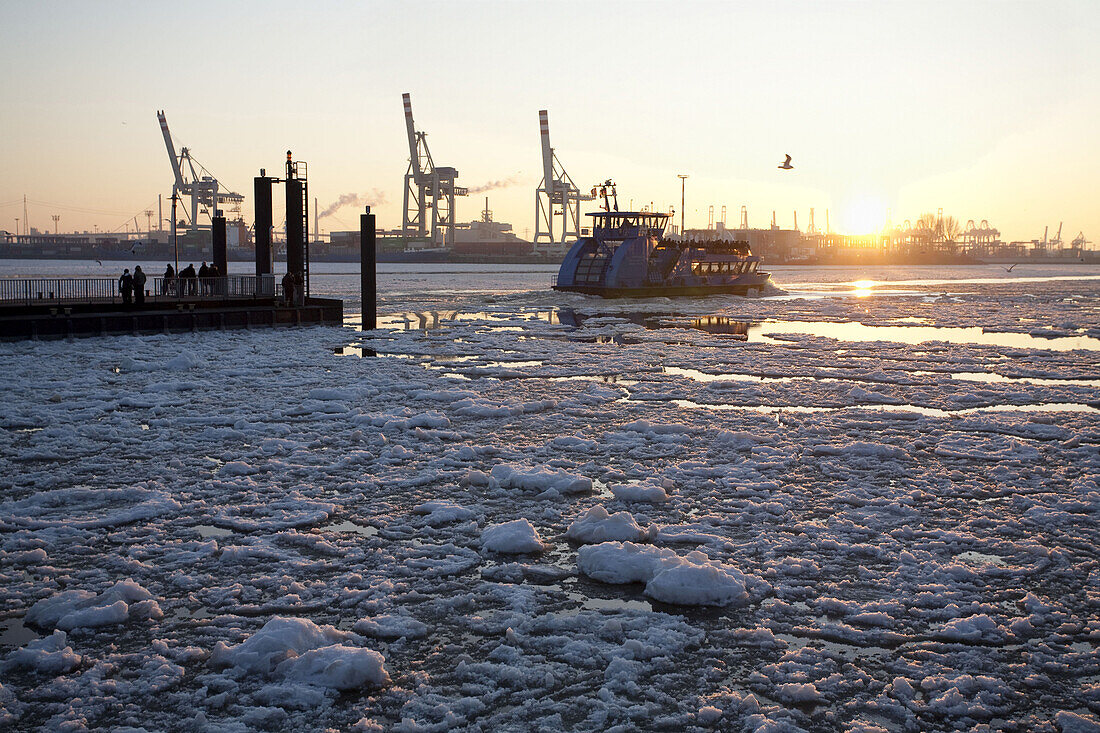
(628, 255)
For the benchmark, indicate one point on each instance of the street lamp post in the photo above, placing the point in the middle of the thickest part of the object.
(682, 178)
(175, 247)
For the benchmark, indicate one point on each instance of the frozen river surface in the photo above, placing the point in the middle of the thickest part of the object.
(868, 502)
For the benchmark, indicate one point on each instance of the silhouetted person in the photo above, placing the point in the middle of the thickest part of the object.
(299, 289)
(126, 286)
(214, 274)
(288, 288)
(187, 275)
(166, 283)
(139, 285)
(204, 273)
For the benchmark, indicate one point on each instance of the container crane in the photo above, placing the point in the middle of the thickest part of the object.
(427, 186)
(1057, 241)
(191, 179)
(557, 197)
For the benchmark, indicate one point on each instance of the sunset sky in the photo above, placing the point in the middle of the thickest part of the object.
(986, 109)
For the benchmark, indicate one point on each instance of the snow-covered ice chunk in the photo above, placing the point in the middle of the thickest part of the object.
(49, 655)
(624, 562)
(640, 493)
(517, 536)
(861, 449)
(441, 511)
(88, 507)
(280, 638)
(973, 629)
(299, 650)
(391, 627)
(596, 525)
(291, 511)
(237, 468)
(74, 609)
(574, 443)
(798, 692)
(657, 429)
(539, 479)
(690, 580)
(1069, 722)
(338, 667)
(708, 715)
(697, 585)
(984, 448)
(330, 394)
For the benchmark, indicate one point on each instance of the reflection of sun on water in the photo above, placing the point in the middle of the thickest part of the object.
(863, 288)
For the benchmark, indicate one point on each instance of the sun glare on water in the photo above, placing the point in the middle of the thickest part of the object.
(863, 288)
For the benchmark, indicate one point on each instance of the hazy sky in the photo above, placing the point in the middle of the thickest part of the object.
(986, 109)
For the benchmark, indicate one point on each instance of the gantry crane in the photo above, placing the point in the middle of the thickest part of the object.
(196, 182)
(1056, 243)
(557, 197)
(427, 186)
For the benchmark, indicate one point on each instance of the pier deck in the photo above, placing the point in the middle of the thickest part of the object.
(76, 308)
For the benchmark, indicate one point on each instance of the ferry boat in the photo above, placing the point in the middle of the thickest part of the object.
(628, 255)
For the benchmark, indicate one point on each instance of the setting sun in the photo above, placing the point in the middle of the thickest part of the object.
(863, 215)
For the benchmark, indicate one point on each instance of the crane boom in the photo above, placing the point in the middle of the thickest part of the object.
(171, 150)
(547, 151)
(414, 156)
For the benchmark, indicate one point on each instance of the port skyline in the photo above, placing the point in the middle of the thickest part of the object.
(879, 122)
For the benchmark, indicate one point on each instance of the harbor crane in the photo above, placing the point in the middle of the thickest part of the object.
(193, 180)
(1056, 243)
(557, 197)
(427, 187)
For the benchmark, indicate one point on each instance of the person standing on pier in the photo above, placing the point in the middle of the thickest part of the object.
(216, 287)
(288, 288)
(166, 282)
(187, 276)
(204, 275)
(126, 286)
(139, 285)
(299, 289)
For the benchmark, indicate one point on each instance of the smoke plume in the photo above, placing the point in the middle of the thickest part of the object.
(376, 197)
(504, 183)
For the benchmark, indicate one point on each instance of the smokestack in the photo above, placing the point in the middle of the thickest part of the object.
(316, 222)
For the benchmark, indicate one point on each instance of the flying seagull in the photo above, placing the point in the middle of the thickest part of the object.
(786, 164)
(1009, 269)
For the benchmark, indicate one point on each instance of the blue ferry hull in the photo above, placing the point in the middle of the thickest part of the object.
(628, 256)
(747, 285)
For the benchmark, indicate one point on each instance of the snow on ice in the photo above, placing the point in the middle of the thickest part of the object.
(612, 521)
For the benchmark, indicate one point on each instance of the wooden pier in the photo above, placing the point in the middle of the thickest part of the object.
(72, 308)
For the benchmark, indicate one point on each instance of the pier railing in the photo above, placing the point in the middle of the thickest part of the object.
(104, 290)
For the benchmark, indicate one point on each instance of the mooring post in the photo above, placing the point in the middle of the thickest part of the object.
(217, 235)
(368, 277)
(262, 187)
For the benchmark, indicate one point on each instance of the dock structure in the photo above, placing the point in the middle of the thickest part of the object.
(51, 308)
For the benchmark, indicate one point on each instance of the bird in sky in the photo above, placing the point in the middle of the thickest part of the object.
(786, 164)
